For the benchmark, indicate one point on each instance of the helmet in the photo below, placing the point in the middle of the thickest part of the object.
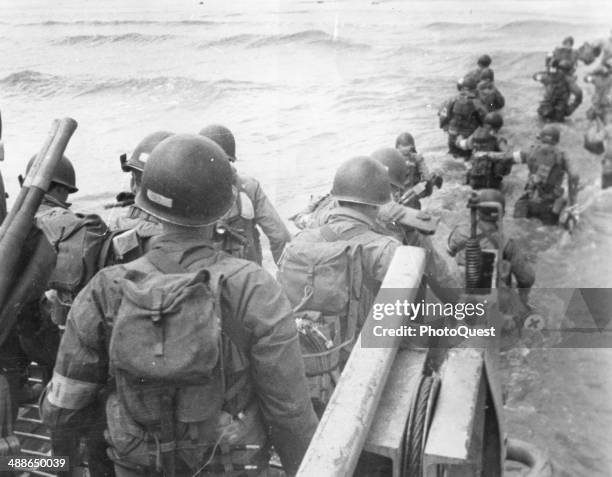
(491, 195)
(550, 134)
(63, 174)
(405, 139)
(139, 157)
(362, 180)
(484, 61)
(223, 137)
(564, 65)
(494, 119)
(395, 164)
(187, 181)
(568, 41)
(487, 74)
(469, 82)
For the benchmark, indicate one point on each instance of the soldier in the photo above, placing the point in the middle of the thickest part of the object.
(77, 240)
(37, 328)
(332, 272)
(515, 268)
(565, 52)
(133, 231)
(488, 92)
(560, 87)
(232, 376)
(237, 230)
(601, 79)
(484, 63)
(418, 176)
(134, 217)
(544, 194)
(463, 115)
(488, 167)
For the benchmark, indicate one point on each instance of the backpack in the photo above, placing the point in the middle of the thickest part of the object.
(166, 341)
(463, 112)
(166, 356)
(323, 281)
(78, 240)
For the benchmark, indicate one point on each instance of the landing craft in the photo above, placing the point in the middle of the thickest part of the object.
(412, 412)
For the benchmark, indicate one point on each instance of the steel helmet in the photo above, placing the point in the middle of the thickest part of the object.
(223, 137)
(394, 162)
(550, 134)
(487, 74)
(141, 154)
(64, 173)
(469, 82)
(484, 61)
(491, 195)
(568, 41)
(187, 181)
(362, 180)
(494, 119)
(406, 140)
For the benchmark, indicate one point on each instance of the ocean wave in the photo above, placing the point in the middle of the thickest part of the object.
(120, 22)
(538, 25)
(312, 37)
(230, 40)
(39, 84)
(448, 26)
(101, 39)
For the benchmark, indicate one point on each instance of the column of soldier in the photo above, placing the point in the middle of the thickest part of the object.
(184, 355)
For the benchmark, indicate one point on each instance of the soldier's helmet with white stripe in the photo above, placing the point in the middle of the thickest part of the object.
(186, 181)
(141, 154)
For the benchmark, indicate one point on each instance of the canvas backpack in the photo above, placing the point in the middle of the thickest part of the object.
(166, 356)
(78, 240)
(324, 282)
(165, 343)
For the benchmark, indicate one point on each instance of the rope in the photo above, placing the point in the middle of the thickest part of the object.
(415, 431)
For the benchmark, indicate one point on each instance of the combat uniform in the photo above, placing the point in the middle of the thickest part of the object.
(559, 86)
(487, 171)
(515, 270)
(490, 96)
(237, 231)
(466, 113)
(544, 194)
(269, 366)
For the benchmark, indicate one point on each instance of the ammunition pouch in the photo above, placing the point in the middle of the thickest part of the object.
(224, 444)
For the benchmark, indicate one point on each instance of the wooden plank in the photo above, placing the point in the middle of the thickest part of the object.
(341, 434)
(452, 430)
(387, 432)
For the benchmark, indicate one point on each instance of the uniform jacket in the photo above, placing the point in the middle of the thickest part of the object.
(490, 239)
(466, 113)
(378, 248)
(249, 295)
(263, 214)
(490, 95)
(417, 169)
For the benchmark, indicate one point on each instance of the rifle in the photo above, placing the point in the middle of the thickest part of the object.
(421, 190)
(124, 199)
